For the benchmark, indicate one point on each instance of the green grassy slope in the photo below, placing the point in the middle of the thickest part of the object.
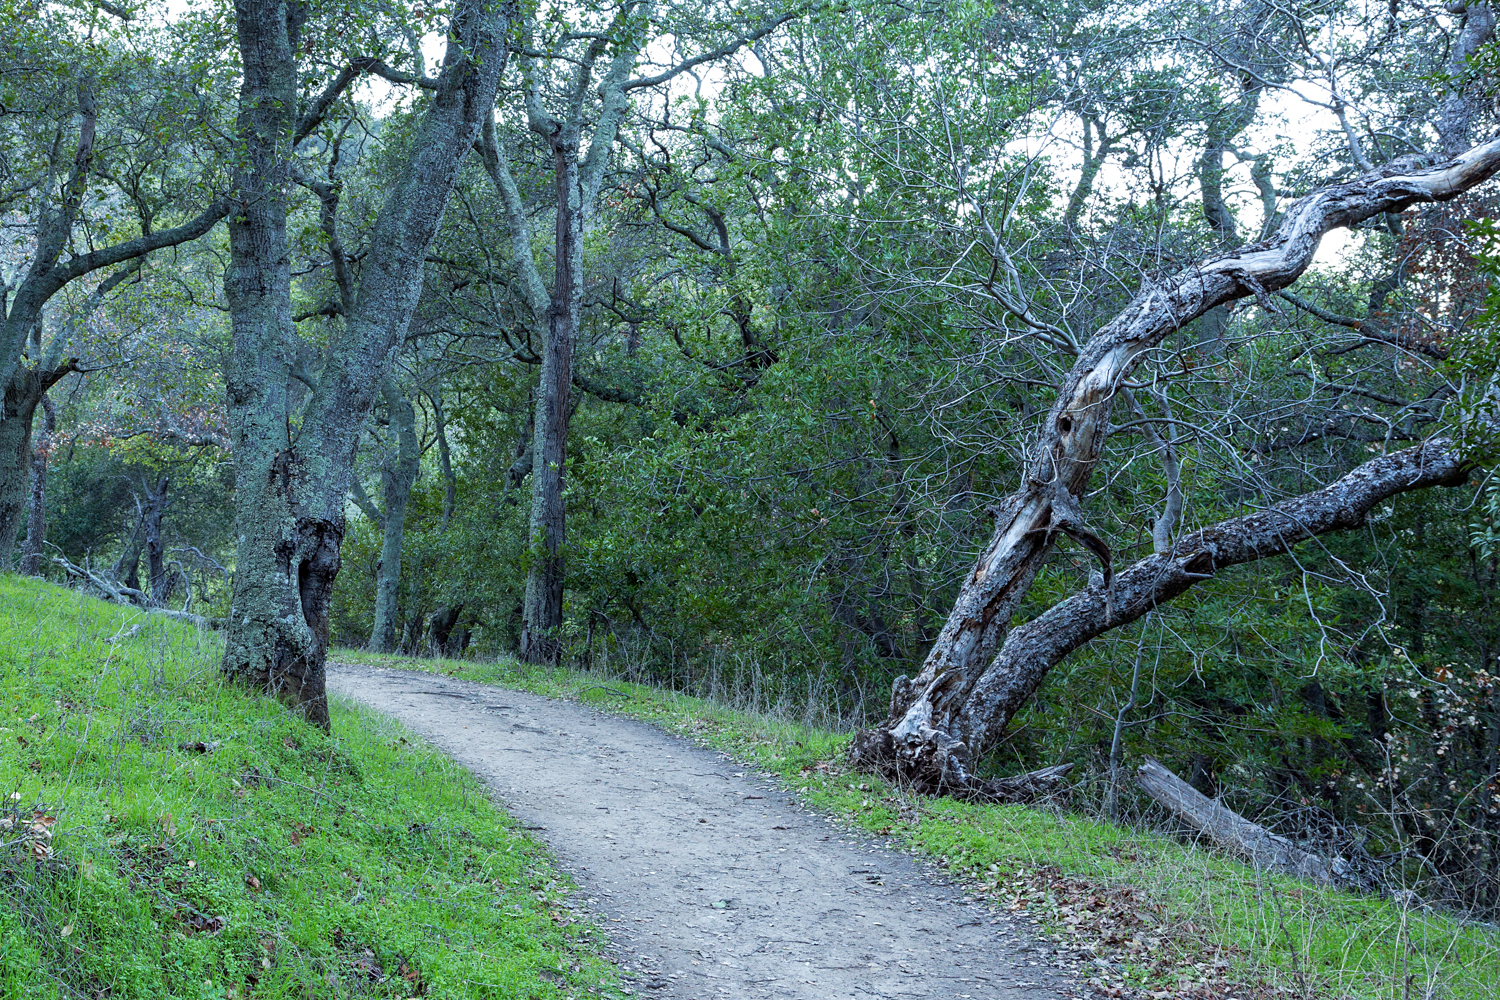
(1170, 919)
(163, 834)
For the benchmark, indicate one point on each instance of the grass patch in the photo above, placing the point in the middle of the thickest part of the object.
(163, 834)
(1159, 917)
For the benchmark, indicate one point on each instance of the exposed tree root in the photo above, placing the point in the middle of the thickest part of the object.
(937, 765)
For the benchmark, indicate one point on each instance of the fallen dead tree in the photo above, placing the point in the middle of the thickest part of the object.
(1235, 833)
(120, 594)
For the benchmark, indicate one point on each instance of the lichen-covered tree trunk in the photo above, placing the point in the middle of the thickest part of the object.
(976, 677)
(36, 520)
(285, 556)
(542, 612)
(398, 474)
(290, 494)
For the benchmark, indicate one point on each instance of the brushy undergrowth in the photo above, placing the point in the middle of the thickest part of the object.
(1151, 916)
(163, 834)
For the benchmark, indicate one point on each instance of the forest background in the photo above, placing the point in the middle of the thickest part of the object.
(739, 322)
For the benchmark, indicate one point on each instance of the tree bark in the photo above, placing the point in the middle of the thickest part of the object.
(969, 688)
(23, 394)
(1466, 102)
(398, 473)
(542, 611)
(1093, 162)
(290, 495)
(441, 626)
(127, 568)
(156, 568)
(36, 521)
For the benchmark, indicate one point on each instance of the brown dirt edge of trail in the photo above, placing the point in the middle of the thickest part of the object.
(711, 882)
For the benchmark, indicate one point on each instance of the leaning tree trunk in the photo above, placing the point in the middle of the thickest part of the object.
(36, 521)
(970, 687)
(399, 473)
(23, 394)
(290, 495)
(542, 613)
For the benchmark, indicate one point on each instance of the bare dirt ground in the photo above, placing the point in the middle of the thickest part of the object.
(711, 882)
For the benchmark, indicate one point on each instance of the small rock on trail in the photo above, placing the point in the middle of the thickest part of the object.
(712, 884)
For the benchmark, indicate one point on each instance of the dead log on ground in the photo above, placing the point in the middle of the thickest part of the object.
(130, 597)
(1230, 830)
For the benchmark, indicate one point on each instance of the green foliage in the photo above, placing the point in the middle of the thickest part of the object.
(202, 842)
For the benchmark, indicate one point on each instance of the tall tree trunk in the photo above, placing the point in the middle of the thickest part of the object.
(156, 563)
(36, 522)
(542, 613)
(445, 458)
(970, 686)
(23, 394)
(398, 473)
(286, 557)
(290, 495)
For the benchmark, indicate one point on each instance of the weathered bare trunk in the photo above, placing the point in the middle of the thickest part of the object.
(964, 696)
(542, 612)
(36, 521)
(1229, 829)
(398, 474)
(23, 394)
(290, 495)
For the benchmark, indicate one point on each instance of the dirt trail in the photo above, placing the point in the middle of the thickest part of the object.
(711, 882)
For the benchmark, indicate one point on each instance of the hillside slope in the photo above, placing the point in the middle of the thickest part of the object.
(164, 834)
